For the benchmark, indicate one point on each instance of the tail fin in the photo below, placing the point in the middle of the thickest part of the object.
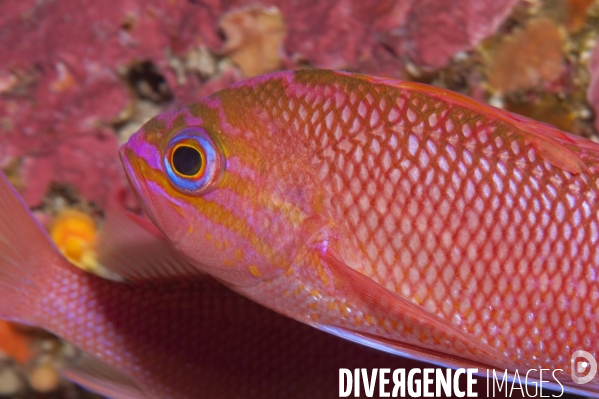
(25, 249)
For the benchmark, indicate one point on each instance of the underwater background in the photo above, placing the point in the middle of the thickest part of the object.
(78, 77)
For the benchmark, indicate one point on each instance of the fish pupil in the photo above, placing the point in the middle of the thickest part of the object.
(187, 160)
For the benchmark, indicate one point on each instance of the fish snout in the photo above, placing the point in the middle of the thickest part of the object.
(130, 160)
(131, 153)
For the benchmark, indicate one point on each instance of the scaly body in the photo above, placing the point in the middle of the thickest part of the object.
(474, 232)
(187, 337)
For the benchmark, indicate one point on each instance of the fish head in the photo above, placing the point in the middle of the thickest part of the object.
(235, 201)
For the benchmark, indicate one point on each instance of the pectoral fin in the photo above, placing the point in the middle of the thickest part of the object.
(421, 328)
(134, 249)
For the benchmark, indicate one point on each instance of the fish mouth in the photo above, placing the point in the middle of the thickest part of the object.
(136, 179)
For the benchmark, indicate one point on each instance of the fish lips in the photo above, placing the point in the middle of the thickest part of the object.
(136, 179)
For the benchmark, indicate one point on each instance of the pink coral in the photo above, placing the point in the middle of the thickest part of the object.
(528, 57)
(61, 86)
(436, 29)
(60, 89)
(356, 34)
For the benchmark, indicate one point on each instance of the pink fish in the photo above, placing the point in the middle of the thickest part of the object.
(402, 216)
(169, 332)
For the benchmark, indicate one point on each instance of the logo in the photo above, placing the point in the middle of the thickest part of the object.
(584, 367)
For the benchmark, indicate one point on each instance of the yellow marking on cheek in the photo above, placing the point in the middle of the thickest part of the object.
(219, 215)
(298, 290)
(221, 244)
(263, 199)
(238, 255)
(190, 229)
(254, 270)
(208, 236)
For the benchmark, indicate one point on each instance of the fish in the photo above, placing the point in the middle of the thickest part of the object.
(401, 216)
(163, 330)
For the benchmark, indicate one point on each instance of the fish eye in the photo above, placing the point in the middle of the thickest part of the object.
(193, 162)
(187, 160)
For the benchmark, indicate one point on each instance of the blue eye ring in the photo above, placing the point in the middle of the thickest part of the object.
(212, 162)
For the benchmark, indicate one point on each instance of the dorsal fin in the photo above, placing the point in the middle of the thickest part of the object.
(101, 378)
(557, 154)
(137, 253)
(548, 141)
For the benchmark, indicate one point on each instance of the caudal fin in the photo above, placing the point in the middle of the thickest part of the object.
(25, 249)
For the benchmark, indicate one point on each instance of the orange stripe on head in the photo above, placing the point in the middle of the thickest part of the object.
(215, 212)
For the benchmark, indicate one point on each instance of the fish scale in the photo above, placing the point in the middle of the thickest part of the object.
(466, 207)
(473, 231)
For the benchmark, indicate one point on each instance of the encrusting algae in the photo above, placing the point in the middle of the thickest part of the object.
(75, 234)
